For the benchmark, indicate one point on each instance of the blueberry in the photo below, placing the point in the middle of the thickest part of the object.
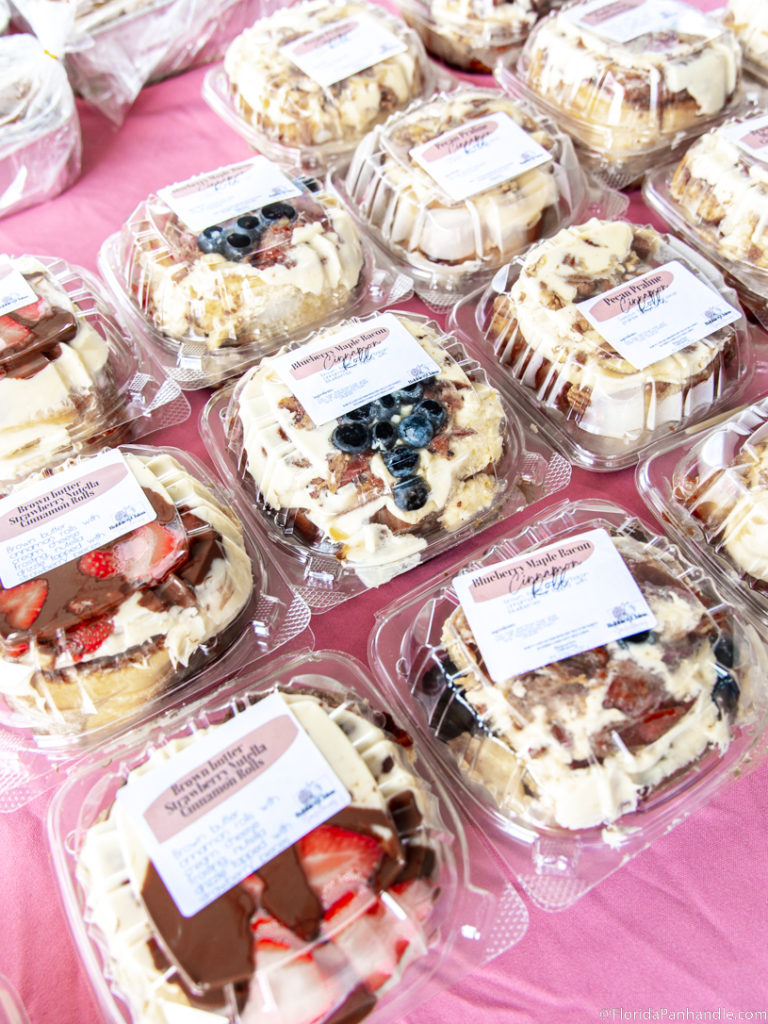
(433, 411)
(411, 493)
(363, 414)
(210, 239)
(724, 651)
(416, 430)
(385, 406)
(402, 461)
(725, 692)
(352, 438)
(409, 394)
(383, 435)
(236, 245)
(248, 222)
(638, 638)
(311, 183)
(276, 211)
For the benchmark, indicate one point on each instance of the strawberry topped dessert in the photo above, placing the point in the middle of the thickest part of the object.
(319, 933)
(91, 640)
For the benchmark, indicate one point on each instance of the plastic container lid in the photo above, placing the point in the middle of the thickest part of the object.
(389, 907)
(216, 272)
(710, 493)
(100, 622)
(631, 708)
(749, 23)
(371, 447)
(630, 82)
(40, 145)
(610, 336)
(716, 198)
(304, 85)
(72, 380)
(471, 35)
(458, 184)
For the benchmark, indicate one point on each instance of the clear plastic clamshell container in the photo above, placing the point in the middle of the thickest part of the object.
(102, 624)
(748, 21)
(709, 492)
(304, 85)
(630, 82)
(124, 44)
(5, 16)
(417, 452)
(631, 708)
(716, 198)
(474, 35)
(324, 914)
(71, 379)
(610, 336)
(460, 183)
(40, 144)
(214, 288)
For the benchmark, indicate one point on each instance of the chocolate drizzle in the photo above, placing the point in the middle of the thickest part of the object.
(29, 342)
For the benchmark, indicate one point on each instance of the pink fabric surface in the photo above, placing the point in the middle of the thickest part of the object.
(678, 933)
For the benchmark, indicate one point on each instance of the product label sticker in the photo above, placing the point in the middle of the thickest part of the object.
(623, 20)
(751, 135)
(218, 195)
(657, 313)
(479, 155)
(354, 365)
(552, 603)
(219, 809)
(342, 49)
(15, 292)
(58, 519)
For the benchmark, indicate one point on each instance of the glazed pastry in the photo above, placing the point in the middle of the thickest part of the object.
(748, 20)
(580, 742)
(371, 488)
(319, 933)
(96, 638)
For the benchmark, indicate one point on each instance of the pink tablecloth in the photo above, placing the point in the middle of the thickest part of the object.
(680, 933)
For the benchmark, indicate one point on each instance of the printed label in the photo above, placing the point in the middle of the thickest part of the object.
(552, 603)
(342, 49)
(624, 20)
(352, 366)
(15, 292)
(216, 811)
(61, 518)
(751, 135)
(479, 155)
(209, 198)
(657, 313)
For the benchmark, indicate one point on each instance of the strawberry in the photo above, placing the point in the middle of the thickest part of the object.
(88, 637)
(21, 605)
(101, 564)
(12, 334)
(33, 312)
(334, 858)
(149, 553)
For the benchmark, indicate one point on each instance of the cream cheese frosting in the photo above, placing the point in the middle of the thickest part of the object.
(290, 108)
(142, 643)
(547, 344)
(358, 954)
(723, 194)
(581, 742)
(448, 240)
(748, 19)
(347, 505)
(623, 98)
(312, 270)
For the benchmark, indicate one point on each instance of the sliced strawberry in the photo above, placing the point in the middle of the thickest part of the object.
(376, 942)
(16, 650)
(336, 860)
(34, 312)
(148, 554)
(88, 637)
(12, 333)
(21, 605)
(101, 564)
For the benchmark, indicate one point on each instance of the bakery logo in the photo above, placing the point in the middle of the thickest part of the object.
(312, 795)
(714, 314)
(326, 37)
(45, 508)
(543, 572)
(623, 615)
(346, 354)
(611, 9)
(219, 778)
(466, 139)
(643, 293)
